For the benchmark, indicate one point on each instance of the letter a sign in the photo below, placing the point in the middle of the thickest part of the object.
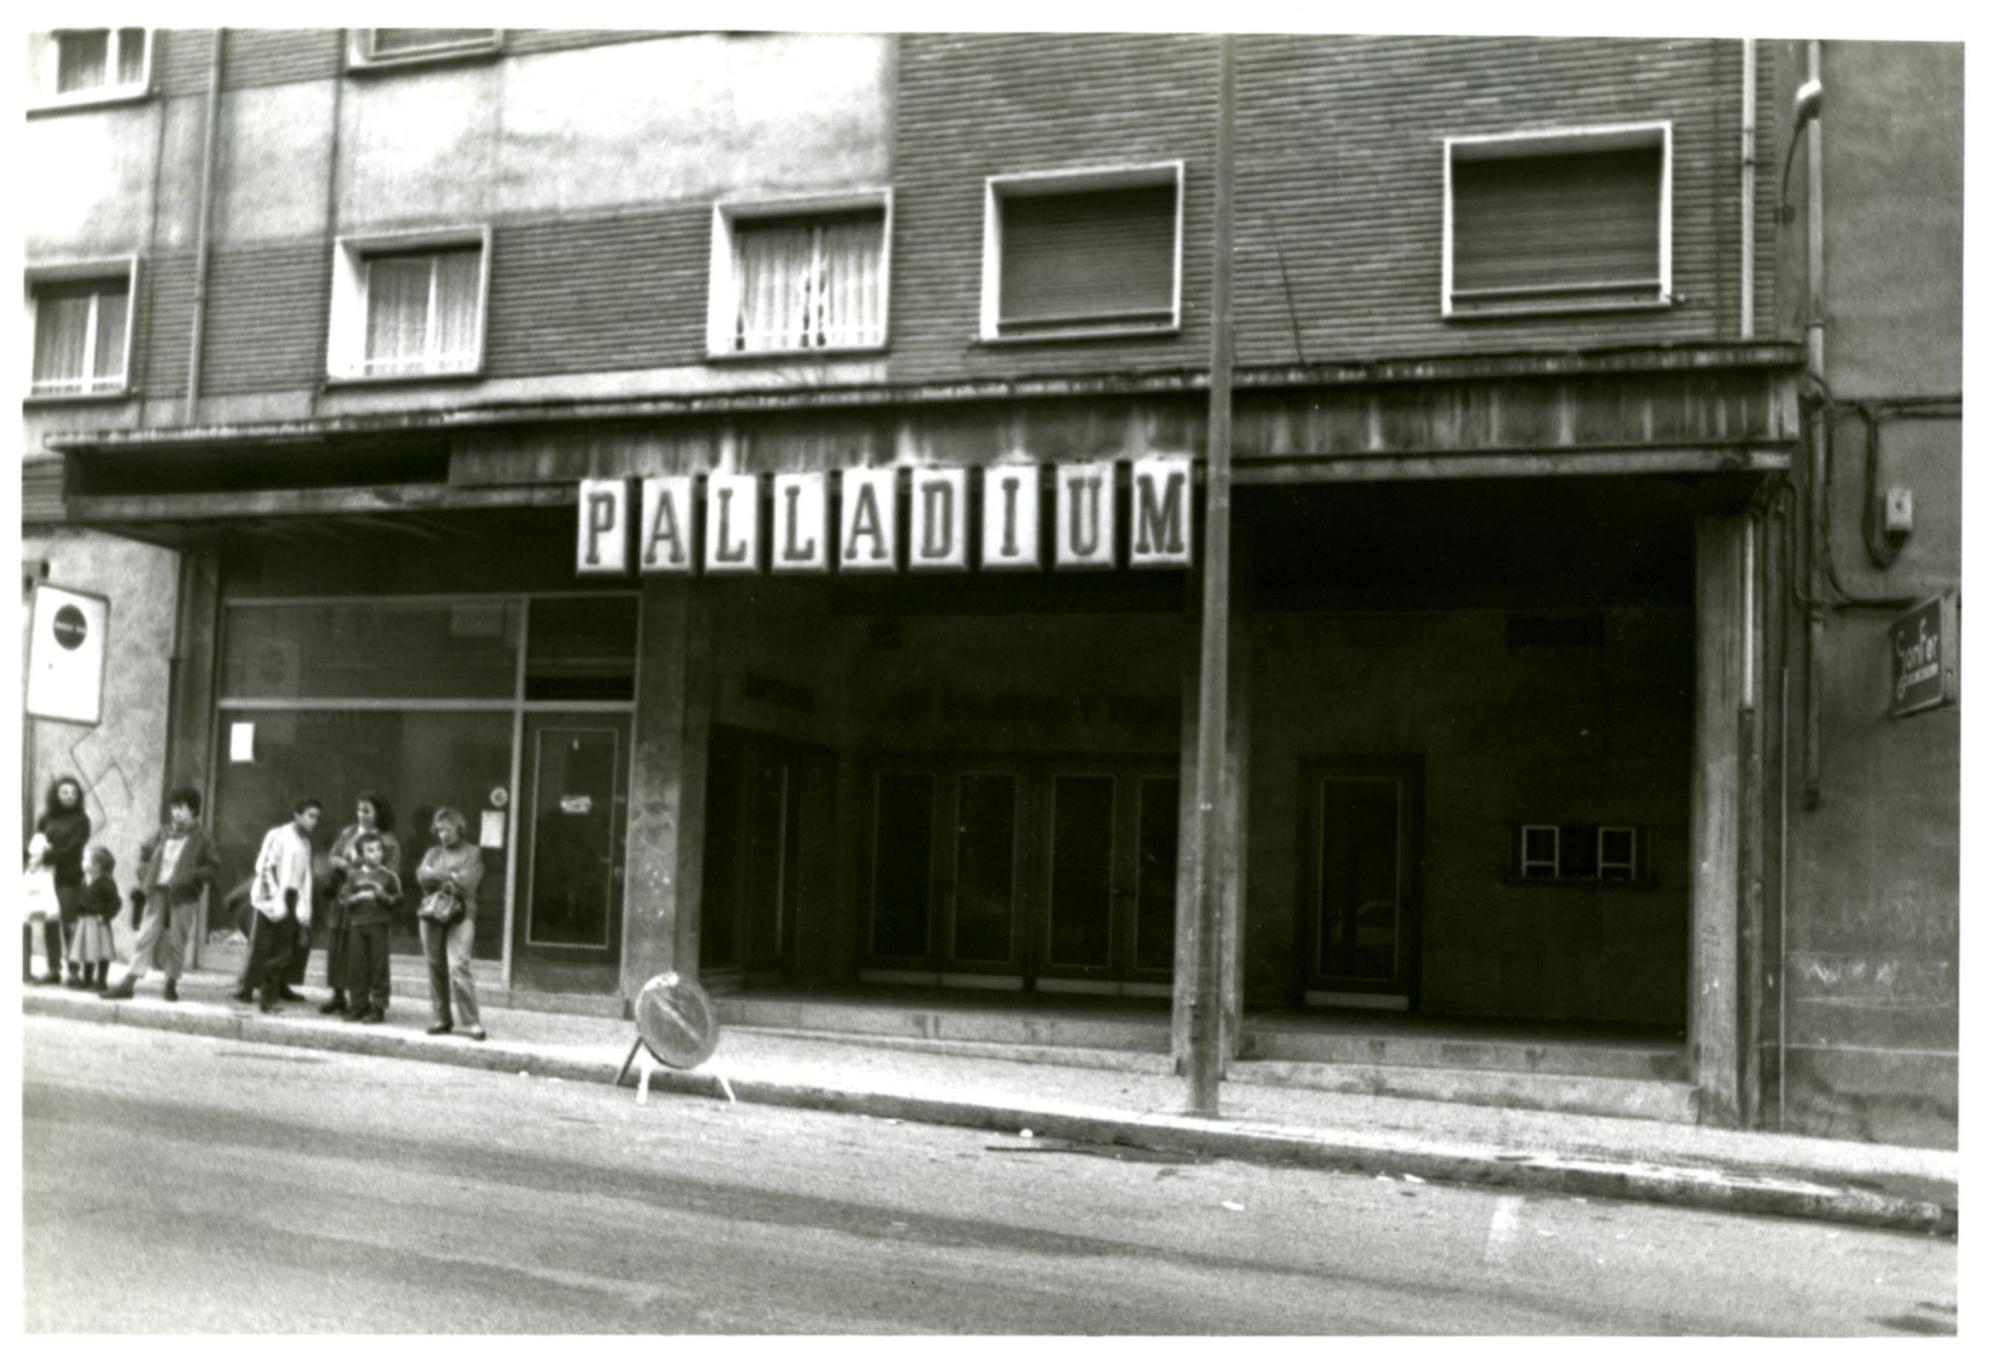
(1162, 511)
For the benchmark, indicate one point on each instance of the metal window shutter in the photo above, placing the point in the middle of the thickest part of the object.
(1557, 221)
(1088, 256)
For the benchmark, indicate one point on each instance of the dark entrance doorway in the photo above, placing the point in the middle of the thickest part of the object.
(1011, 872)
(576, 767)
(1359, 861)
(751, 856)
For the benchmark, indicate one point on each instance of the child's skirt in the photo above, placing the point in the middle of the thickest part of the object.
(92, 941)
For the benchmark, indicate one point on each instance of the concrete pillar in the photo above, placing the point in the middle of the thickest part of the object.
(191, 695)
(663, 843)
(1718, 825)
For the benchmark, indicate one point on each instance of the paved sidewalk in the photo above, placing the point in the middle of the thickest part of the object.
(1132, 1104)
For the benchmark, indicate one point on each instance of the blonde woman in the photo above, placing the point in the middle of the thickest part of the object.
(448, 879)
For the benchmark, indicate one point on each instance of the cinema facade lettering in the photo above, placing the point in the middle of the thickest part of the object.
(885, 519)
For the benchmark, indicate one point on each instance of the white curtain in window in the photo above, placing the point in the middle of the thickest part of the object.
(809, 285)
(399, 296)
(62, 327)
(131, 55)
(457, 309)
(774, 267)
(80, 59)
(852, 295)
(109, 367)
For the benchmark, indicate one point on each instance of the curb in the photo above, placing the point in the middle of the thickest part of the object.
(1708, 1189)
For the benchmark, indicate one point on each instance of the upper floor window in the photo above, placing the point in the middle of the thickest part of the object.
(90, 65)
(410, 305)
(1559, 221)
(406, 46)
(790, 277)
(80, 316)
(1082, 253)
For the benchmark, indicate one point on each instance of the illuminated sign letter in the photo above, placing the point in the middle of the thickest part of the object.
(666, 518)
(1162, 511)
(1083, 514)
(1011, 518)
(868, 519)
(732, 523)
(600, 528)
(798, 521)
(937, 507)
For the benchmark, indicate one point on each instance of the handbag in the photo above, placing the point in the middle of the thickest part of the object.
(442, 908)
(38, 894)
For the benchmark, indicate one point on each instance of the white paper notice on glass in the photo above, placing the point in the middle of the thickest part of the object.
(242, 742)
(492, 829)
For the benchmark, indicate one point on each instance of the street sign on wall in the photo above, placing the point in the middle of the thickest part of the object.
(66, 650)
(1923, 656)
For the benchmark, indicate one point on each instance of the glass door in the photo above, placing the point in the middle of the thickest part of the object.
(1361, 894)
(575, 771)
(749, 894)
(1112, 865)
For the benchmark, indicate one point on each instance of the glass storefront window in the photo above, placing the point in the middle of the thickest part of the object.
(420, 761)
(582, 649)
(372, 649)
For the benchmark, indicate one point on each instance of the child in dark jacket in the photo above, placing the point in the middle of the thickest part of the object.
(371, 896)
(90, 950)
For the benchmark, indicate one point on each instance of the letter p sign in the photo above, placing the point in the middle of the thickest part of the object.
(602, 523)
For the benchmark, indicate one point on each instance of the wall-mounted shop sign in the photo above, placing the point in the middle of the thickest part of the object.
(1923, 656)
(861, 520)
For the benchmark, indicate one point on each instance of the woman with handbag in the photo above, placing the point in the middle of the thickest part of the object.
(66, 827)
(449, 880)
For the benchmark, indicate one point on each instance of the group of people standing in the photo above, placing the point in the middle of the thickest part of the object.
(175, 865)
(358, 885)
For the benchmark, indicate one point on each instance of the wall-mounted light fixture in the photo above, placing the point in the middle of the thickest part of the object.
(1805, 108)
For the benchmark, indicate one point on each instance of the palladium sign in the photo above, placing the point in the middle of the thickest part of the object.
(718, 523)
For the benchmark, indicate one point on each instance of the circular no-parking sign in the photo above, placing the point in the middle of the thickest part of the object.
(675, 1021)
(69, 627)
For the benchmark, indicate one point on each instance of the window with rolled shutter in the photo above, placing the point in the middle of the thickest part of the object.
(1553, 225)
(1096, 253)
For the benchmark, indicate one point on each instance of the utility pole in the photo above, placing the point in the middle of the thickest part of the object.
(1204, 995)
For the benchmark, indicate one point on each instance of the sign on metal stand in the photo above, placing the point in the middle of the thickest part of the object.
(677, 1027)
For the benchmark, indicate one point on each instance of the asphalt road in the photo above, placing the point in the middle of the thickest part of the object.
(174, 1184)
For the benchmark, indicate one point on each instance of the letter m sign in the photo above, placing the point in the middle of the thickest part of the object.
(1162, 511)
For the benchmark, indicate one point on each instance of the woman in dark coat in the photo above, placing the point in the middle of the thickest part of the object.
(66, 826)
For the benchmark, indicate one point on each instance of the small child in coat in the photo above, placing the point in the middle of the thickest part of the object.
(371, 895)
(90, 946)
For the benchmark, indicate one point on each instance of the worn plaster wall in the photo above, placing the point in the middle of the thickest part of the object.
(120, 762)
(1866, 1042)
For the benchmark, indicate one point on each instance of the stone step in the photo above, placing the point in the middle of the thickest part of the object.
(1653, 1100)
(943, 1024)
(1595, 1058)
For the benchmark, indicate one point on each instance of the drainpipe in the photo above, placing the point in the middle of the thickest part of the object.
(212, 119)
(1748, 262)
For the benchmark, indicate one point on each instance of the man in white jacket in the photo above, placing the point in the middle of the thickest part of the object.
(281, 894)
